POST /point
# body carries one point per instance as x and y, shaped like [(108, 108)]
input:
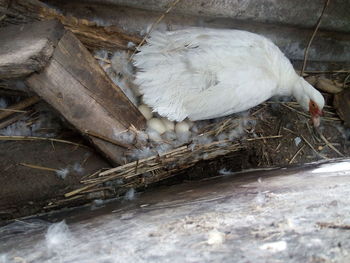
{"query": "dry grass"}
[(140, 173), (33, 138)]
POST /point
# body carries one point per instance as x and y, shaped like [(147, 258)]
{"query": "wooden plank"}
[(75, 85), (86, 70), (90, 34), (25, 49)]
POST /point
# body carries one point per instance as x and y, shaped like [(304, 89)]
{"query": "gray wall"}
[(293, 12), (289, 23)]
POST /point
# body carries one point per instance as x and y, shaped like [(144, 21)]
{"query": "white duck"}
[(204, 73)]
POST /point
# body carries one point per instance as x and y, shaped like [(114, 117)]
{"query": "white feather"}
[(207, 73)]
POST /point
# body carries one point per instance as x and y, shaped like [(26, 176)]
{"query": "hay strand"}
[(306, 53), (33, 138)]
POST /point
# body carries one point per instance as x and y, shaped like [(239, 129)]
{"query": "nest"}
[(265, 141)]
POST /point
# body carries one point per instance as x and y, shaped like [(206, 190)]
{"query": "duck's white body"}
[(207, 73)]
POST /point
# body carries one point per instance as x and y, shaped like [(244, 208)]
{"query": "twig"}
[(330, 145), (308, 116), (11, 120), (62, 202), (299, 112), (327, 71), (19, 106), (313, 36), (288, 130), (32, 138), (293, 103), (79, 190), (93, 174), (10, 92), (259, 110), (103, 59), (172, 5), (312, 148), (346, 80), (104, 138), (11, 110), (332, 225), (221, 128), (39, 167), (296, 154), (264, 137)]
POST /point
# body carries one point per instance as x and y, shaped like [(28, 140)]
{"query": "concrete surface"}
[(283, 215)]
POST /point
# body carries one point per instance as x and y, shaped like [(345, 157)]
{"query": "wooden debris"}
[(76, 86), (24, 50), (333, 225), (33, 138), (313, 148), (330, 145), (33, 166), (296, 154), (11, 120), (9, 92), (91, 35), (162, 166), (328, 85), (312, 80)]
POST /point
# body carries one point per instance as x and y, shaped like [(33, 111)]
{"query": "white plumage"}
[(204, 73)]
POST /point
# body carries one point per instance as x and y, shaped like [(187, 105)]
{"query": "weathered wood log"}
[(24, 50), (75, 85), (93, 36)]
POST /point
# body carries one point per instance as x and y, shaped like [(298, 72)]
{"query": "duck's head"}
[(310, 99)]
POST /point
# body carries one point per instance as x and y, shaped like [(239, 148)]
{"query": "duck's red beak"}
[(315, 112)]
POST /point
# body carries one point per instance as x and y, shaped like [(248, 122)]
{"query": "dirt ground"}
[(27, 190)]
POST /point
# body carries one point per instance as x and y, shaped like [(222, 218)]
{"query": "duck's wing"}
[(204, 74), (235, 92)]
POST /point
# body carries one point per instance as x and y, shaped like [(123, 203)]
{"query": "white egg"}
[(157, 125), (182, 127), (146, 111), (169, 125)]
